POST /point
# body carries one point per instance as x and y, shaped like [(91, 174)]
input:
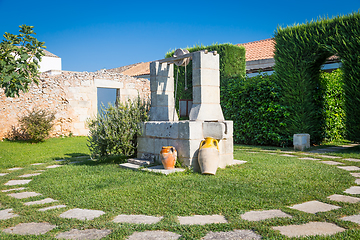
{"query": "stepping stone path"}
[(352, 159), (309, 158), (314, 207), (50, 208), (136, 219), (342, 198), (13, 189), (353, 190), (154, 235), (17, 182), (36, 164), (84, 234), (309, 229), (355, 175), (357, 181), (82, 214), (287, 155), (14, 169), (327, 156), (3, 174), (349, 168), (202, 219), (353, 218), (46, 200), (22, 195), (262, 215), (54, 166), (6, 214), (30, 228), (332, 163), (236, 234), (29, 175)]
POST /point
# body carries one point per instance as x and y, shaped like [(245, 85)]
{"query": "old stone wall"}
[(72, 95)]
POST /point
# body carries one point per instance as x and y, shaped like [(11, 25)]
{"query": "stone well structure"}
[(206, 118)]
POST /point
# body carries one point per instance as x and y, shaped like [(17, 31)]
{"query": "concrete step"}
[(140, 162)]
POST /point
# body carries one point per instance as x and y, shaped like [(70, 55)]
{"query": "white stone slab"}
[(129, 166), (252, 152), (160, 169), (136, 219), (352, 159), (343, 198), (54, 166), (332, 163), (353, 218), (236, 234), (30, 228), (327, 156), (154, 235), (287, 155), (3, 174), (349, 168), (17, 182), (15, 169), (46, 200), (36, 164), (238, 162), (314, 207), (29, 175), (82, 214), (357, 175), (353, 190), (272, 153), (50, 208), (13, 189), (309, 229), (202, 219), (22, 195), (262, 215), (287, 152), (60, 160), (84, 234), (309, 158), (7, 214)]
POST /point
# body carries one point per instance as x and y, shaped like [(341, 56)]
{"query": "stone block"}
[(164, 98), (225, 160), (190, 130), (187, 148), (309, 229), (106, 83), (205, 60), (163, 114), (226, 146), (301, 141), (229, 129), (206, 95), (146, 145), (214, 129), (206, 112), (162, 129), (206, 77), (162, 84), (161, 69)]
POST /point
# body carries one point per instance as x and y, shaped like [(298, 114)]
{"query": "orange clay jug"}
[(209, 156), (168, 157)]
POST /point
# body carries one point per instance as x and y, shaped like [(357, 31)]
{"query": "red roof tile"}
[(263, 49)]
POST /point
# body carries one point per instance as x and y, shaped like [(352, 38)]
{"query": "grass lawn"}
[(264, 182)]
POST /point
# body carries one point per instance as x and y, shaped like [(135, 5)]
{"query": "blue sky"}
[(92, 35)]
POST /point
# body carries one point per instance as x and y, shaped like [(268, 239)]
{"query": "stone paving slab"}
[(287, 155), (136, 219), (237, 162), (272, 153), (355, 175), (15, 169), (129, 166), (3, 174), (29, 175), (357, 181), (309, 229), (154, 235), (7, 214), (287, 152), (343, 198), (82, 214), (328, 156), (46, 200), (332, 163), (202, 219), (36, 164), (310, 158), (160, 169), (236, 234), (17, 182), (349, 168), (252, 152), (352, 159), (353, 218), (87, 234), (60, 160), (353, 190), (14, 189), (314, 207), (50, 208), (30, 228), (262, 215), (54, 166), (22, 195)]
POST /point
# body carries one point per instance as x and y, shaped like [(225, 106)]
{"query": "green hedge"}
[(253, 105), (299, 53), (232, 63)]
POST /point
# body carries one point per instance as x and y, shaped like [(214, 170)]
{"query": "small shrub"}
[(114, 131), (37, 123)]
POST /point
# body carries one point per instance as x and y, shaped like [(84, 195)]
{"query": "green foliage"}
[(333, 105), (299, 53), (253, 105), (37, 123), (114, 131), (19, 61), (232, 63)]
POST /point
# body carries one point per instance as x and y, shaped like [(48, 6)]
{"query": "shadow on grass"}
[(85, 159)]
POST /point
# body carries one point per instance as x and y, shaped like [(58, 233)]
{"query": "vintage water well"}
[(206, 118)]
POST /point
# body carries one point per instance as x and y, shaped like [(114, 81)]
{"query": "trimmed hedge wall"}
[(299, 53), (232, 63)]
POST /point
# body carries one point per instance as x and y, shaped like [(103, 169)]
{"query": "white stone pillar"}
[(206, 87), (162, 92)]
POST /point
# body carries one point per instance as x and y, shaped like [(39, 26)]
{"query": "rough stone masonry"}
[(72, 95)]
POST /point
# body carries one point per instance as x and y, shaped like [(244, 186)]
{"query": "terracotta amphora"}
[(168, 157), (209, 156)]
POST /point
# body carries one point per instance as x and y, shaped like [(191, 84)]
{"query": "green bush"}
[(114, 131), (333, 105), (253, 105), (37, 123)]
